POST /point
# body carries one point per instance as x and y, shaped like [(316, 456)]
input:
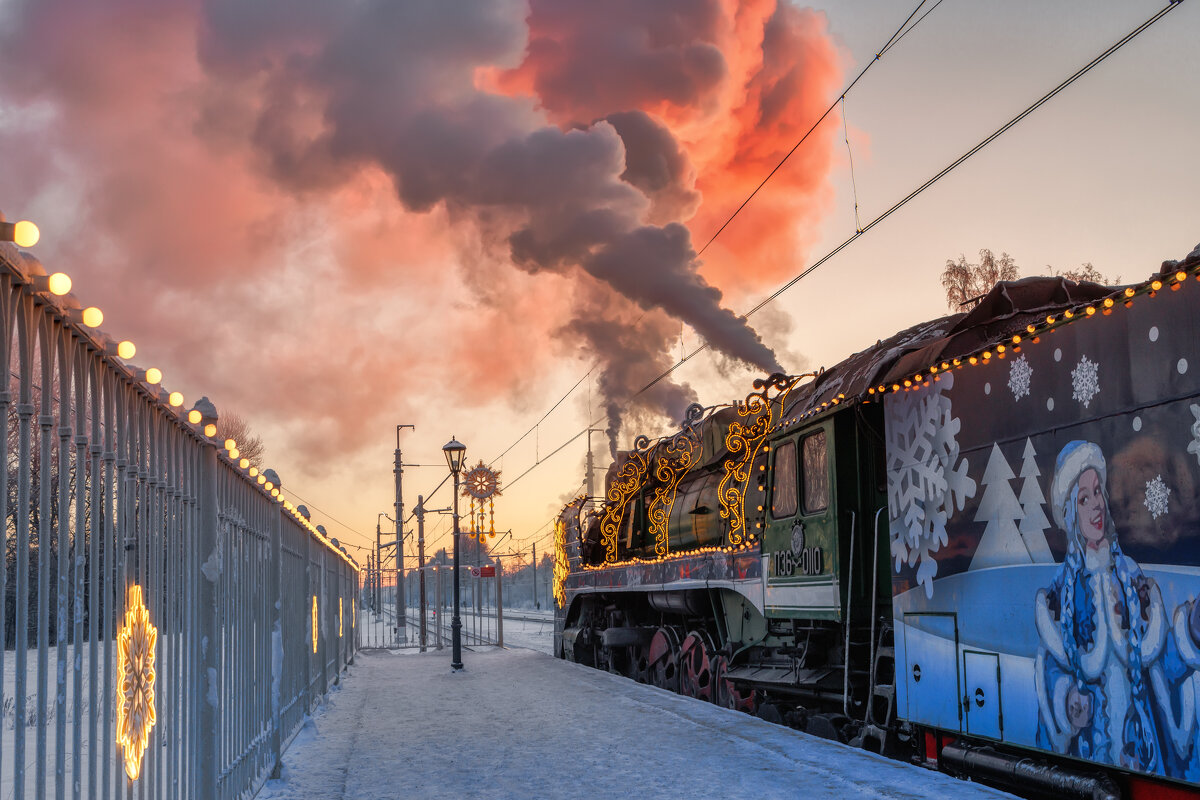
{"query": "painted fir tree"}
[(1034, 522), (1001, 543)]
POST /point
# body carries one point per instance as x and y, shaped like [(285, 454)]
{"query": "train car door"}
[(981, 694), (800, 537), (931, 670)]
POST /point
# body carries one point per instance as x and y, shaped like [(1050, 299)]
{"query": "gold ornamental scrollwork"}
[(628, 481), (757, 416), (135, 681), (676, 457)]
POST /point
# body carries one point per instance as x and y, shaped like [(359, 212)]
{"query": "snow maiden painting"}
[(1115, 672)]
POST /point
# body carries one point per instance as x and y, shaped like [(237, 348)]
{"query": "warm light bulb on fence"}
[(59, 283), (93, 317), (267, 484), (194, 416), (26, 234), (234, 454), (230, 444), (210, 430), (175, 399), (274, 493), (253, 470), (126, 349), (261, 480), (153, 376), (245, 462)]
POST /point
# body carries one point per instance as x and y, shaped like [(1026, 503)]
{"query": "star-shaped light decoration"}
[(135, 681)]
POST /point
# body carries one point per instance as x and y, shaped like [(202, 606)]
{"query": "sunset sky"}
[(333, 218)]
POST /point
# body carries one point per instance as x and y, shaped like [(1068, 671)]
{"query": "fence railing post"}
[(276, 610), (204, 683)]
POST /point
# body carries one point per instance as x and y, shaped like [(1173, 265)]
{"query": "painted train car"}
[(975, 544)]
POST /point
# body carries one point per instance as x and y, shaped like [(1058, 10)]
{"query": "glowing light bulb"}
[(268, 485), (59, 283), (230, 444), (175, 399), (1181, 276), (210, 430), (244, 463), (126, 350), (261, 480), (274, 493), (154, 376), (1090, 310), (93, 317), (253, 471), (1108, 302), (26, 234), (235, 454), (1129, 292), (1156, 285), (194, 417)]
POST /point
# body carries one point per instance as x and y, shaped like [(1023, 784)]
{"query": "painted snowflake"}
[(1085, 380), (1156, 497), (1019, 373), (1194, 445), (927, 480)]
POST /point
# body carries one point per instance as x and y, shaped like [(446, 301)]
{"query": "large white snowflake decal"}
[(927, 481), (1194, 446), (1085, 380), (1019, 373), (1156, 497)]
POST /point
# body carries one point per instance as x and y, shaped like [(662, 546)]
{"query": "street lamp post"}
[(456, 453)]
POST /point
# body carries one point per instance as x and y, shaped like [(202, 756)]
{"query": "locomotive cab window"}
[(783, 482), (816, 473)]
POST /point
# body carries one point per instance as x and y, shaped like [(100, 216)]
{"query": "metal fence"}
[(113, 496), (480, 609)]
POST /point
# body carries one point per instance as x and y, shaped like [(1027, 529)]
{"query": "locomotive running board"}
[(783, 676)]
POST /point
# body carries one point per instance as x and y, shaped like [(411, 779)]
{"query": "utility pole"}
[(591, 466), (378, 576), (535, 602), (401, 611), (421, 561)]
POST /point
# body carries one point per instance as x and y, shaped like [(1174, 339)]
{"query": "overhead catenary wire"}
[(996, 134), (1075, 76), (899, 34)]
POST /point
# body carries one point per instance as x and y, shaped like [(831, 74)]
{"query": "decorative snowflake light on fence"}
[(1085, 381), (1156, 497), (135, 681)]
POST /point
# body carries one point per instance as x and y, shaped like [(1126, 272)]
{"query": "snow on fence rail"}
[(113, 497)]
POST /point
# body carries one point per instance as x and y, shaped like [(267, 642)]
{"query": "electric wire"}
[(899, 34), (940, 174), (895, 37), (911, 195)]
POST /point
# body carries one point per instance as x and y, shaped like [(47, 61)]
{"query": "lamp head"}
[(456, 453)]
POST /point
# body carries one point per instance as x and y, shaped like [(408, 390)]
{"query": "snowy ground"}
[(518, 724)]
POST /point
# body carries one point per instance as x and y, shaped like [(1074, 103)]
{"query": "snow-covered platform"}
[(518, 723)]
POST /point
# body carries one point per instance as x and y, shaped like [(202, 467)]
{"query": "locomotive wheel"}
[(662, 659), (726, 694), (695, 666)]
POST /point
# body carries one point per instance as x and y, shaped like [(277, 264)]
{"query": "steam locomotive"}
[(975, 544)]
